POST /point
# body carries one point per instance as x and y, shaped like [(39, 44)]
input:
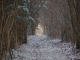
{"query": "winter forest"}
[(39, 29)]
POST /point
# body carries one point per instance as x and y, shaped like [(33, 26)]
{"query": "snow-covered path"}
[(42, 48)]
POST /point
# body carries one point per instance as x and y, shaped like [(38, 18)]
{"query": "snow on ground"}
[(42, 48)]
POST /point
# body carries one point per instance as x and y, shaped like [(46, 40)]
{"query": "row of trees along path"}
[(59, 20)]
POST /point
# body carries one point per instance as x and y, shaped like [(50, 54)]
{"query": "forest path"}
[(43, 48)]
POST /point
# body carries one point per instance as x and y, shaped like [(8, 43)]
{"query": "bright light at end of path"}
[(39, 30)]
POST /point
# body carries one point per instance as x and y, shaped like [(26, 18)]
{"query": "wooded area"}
[(60, 19)]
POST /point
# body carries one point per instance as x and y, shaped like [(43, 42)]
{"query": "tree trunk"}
[(75, 16), (78, 24)]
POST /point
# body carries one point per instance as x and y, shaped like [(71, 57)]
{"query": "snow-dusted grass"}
[(42, 48)]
